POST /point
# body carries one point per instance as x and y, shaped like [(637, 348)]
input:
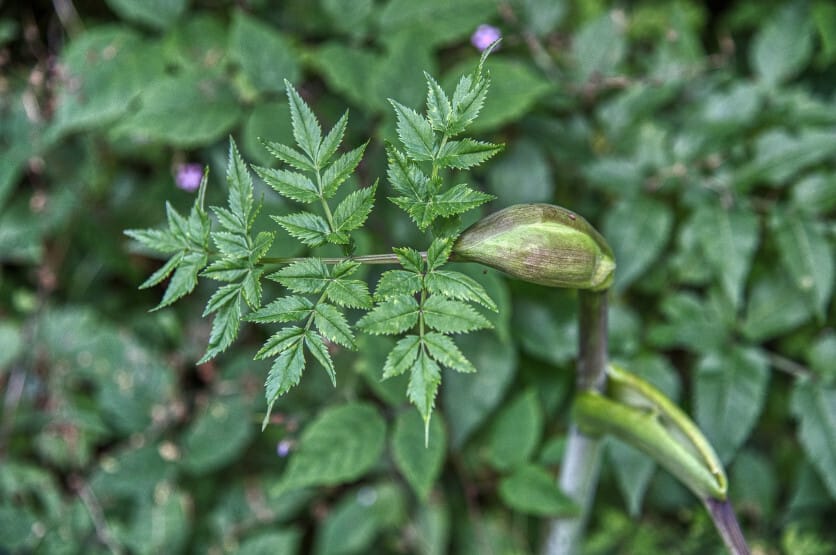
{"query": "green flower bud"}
[(540, 243)]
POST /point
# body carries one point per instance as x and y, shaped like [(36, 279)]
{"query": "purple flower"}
[(188, 176), (484, 36), (283, 448)]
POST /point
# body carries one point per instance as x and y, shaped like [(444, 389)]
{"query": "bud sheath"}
[(540, 243)]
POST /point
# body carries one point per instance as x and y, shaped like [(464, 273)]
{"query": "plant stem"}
[(582, 460), (362, 259), (726, 523)]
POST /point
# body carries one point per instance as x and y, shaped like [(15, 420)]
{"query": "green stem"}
[(362, 259), (582, 460)]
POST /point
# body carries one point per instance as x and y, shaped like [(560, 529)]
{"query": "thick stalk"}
[(582, 459), (727, 526)]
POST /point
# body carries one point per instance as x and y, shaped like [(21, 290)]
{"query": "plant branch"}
[(582, 460), (362, 259)]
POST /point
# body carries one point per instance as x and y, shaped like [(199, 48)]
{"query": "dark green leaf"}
[(415, 132), (397, 282), (420, 465), (402, 356), (815, 408), (332, 140), (290, 184), (516, 431), (807, 256), (439, 252), (405, 177), (410, 259), (424, 378), (783, 46), (532, 490), (240, 186), (158, 14), (217, 436), (265, 56), (285, 373), (449, 316), (341, 445), (391, 317), (466, 153), (184, 279), (340, 170), (332, 324), (320, 352), (310, 275), (352, 212), (309, 228), (231, 244), (457, 200), (280, 341), (290, 156), (306, 129), (730, 387), (598, 47), (456, 285), (225, 327), (444, 350), (284, 309), (439, 109), (352, 293)]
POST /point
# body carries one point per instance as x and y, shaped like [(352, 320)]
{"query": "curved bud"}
[(540, 243)]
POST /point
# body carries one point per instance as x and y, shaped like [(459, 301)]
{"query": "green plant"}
[(542, 244)]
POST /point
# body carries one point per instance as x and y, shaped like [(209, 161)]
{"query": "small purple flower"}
[(484, 36), (188, 176), (283, 448)]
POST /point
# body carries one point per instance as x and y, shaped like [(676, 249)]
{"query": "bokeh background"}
[(699, 137)]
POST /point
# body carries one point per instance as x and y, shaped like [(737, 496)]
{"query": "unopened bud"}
[(540, 243)]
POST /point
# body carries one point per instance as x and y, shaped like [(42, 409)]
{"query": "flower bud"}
[(540, 243)]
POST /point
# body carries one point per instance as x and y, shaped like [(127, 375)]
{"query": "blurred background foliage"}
[(701, 138)]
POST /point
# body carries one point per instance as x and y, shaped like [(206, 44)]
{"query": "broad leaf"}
[(420, 465), (516, 432), (815, 408), (532, 490), (341, 445)]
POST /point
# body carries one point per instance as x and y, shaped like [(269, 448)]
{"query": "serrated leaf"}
[(468, 100), (233, 245), (227, 219), (815, 408), (225, 327), (397, 282), (352, 293), (332, 140), (458, 286), (320, 352), (415, 132), (444, 350), (439, 108), (309, 275), (340, 170), (284, 309), (280, 341), (405, 177), (807, 256), (532, 490), (424, 378), (391, 317), (306, 129), (289, 155), (730, 387), (420, 465), (240, 186), (184, 279), (439, 252), (410, 259), (251, 287), (352, 212), (458, 199), (292, 185), (160, 240), (449, 316), (465, 154), (421, 211), (341, 445), (261, 246), (309, 228), (224, 295), (402, 356), (285, 373), (332, 324), (163, 271), (227, 269)]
